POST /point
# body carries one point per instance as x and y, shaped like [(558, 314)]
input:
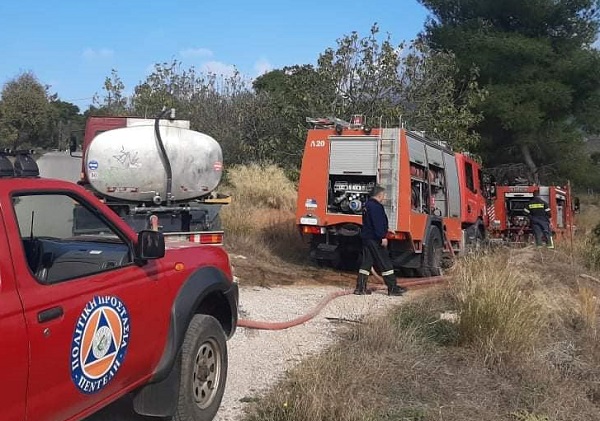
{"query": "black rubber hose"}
[(164, 158)]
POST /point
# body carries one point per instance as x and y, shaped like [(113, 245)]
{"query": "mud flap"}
[(326, 252), (160, 399)]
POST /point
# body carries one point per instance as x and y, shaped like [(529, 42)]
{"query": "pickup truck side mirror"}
[(576, 205), (73, 147), (150, 245), (73, 144)]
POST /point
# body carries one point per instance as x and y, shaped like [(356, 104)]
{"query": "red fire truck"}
[(510, 224), (435, 200)]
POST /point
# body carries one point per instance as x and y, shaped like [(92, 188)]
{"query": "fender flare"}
[(159, 397)]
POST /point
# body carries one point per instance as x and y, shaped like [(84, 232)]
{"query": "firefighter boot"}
[(361, 285), (393, 288)]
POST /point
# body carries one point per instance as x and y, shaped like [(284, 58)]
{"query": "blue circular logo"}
[(93, 165), (99, 343)]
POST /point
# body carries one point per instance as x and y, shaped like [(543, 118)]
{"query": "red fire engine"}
[(509, 223), (435, 203)]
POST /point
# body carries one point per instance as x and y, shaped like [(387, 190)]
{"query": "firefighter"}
[(374, 243), (539, 219)]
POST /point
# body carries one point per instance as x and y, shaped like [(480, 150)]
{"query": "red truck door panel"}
[(473, 199), (90, 312), (13, 352)]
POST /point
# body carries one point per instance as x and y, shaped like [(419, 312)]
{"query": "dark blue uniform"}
[(374, 229), (539, 220), (374, 221)]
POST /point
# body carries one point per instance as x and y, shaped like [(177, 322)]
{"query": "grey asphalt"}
[(59, 165)]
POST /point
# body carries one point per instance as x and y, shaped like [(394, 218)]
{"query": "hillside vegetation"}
[(513, 336)]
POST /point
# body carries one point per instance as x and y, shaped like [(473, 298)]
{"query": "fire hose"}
[(410, 283)]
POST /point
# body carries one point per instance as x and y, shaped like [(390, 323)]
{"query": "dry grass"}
[(262, 187), (261, 210), (260, 225), (588, 309), (524, 348), (497, 314)]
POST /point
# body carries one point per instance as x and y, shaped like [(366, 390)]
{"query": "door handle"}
[(50, 314)]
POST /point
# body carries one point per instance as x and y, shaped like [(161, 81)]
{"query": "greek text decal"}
[(99, 343)]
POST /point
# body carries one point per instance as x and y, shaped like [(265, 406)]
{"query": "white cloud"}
[(102, 53), (196, 53), (596, 45), (262, 66), (218, 68)]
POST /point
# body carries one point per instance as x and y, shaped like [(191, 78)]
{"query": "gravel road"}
[(258, 358)]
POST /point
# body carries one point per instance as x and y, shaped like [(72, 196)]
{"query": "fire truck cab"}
[(435, 202)]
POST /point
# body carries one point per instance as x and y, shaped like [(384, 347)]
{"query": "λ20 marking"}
[(99, 343), (317, 143)]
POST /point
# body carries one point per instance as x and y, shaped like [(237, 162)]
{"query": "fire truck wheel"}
[(478, 242), (407, 272), (203, 370), (432, 255)]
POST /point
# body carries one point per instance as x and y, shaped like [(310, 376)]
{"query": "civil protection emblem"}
[(99, 344)]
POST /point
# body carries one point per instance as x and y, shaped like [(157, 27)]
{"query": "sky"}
[(72, 45)]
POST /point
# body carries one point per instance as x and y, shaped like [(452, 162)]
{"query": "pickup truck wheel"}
[(203, 370)]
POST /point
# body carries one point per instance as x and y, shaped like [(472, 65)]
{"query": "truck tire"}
[(432, 255), (478, 242), (203, 370)]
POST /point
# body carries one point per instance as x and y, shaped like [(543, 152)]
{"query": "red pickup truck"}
[(87, 319)]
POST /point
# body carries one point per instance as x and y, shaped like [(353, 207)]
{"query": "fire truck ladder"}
[(389, 147)]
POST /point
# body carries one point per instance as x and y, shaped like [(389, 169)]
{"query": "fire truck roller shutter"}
[(545, 194), (416, 151), (344, 151), (452, 185), (435, 158)]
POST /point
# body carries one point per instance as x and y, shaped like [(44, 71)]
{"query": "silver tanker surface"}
[(125, 164)]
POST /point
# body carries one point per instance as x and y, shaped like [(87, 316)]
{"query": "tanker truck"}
[(153, 173)]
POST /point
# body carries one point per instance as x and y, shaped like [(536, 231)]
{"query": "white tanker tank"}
[(128, 164)]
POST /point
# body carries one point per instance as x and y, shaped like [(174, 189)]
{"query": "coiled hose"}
[(411, 283)]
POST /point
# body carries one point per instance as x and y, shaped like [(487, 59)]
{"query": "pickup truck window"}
[(55, 251)]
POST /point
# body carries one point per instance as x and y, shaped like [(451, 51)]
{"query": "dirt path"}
[(257, 359)]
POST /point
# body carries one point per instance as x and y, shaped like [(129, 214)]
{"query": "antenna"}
[(31, 226)]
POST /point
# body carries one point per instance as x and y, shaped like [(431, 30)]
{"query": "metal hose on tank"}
[(163, 157)]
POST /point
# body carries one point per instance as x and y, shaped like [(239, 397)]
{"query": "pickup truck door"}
[(13, 352), (91, 312)]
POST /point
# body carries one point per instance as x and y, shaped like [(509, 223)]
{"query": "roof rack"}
[(22, 166)]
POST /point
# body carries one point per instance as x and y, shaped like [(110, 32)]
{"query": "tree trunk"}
[(526, 152)]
